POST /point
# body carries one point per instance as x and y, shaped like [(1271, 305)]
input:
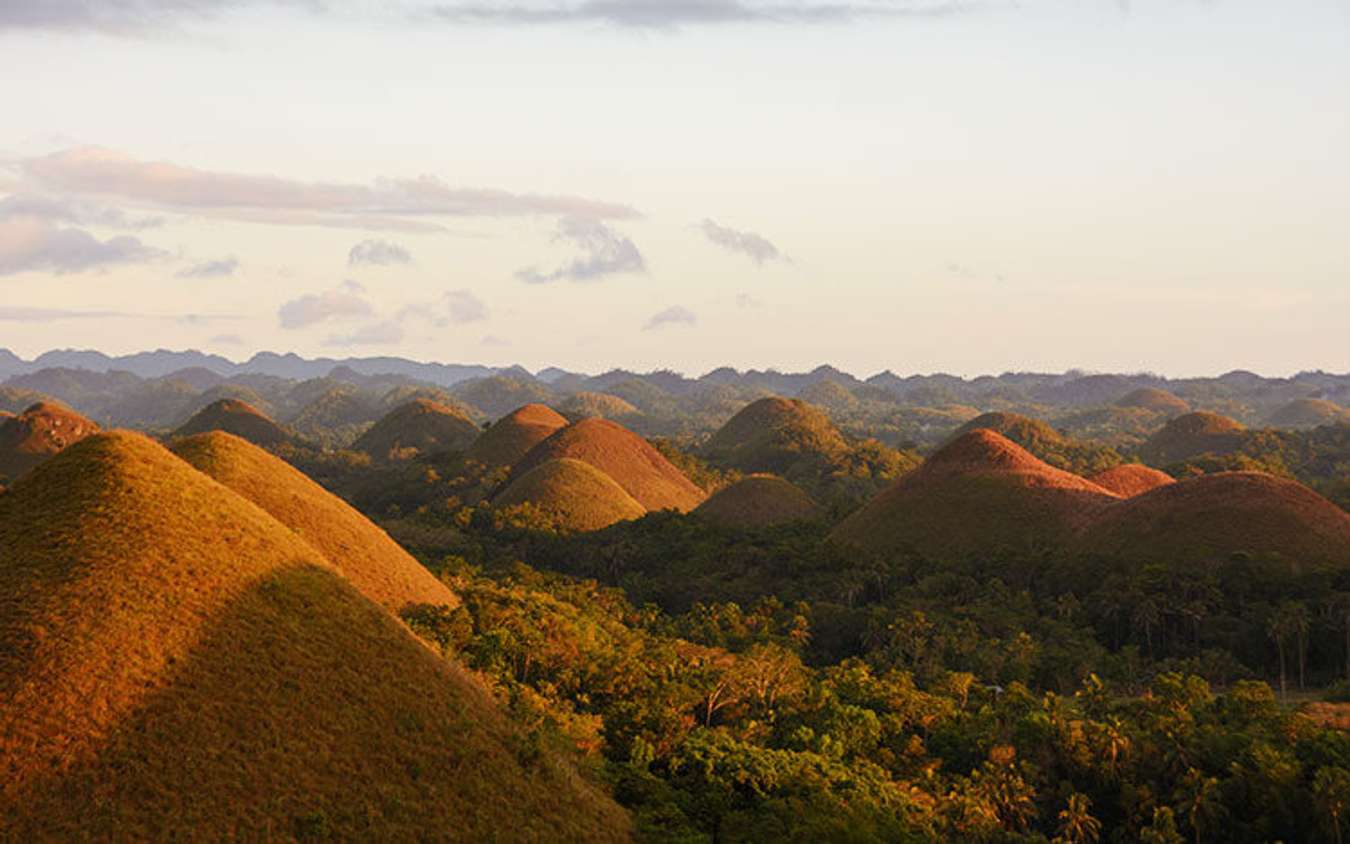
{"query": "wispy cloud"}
[(121, 16), (757, 247), (65, 209), (226, 340), (604, 252), (31, 244), (675, 14), (380, 253), (220, 268), (344, 301), (10, 314), (676, 315), (465, 307), (494, 341), (384, 333)]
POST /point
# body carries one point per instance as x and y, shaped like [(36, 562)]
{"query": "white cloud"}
[(219, 268), (345, 301), (465, 307), (604, 252), (756, 247), (380, 253), (32, 244), (676, 315)]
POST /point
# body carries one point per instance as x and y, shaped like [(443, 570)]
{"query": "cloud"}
[(119, 16), (757, 247), (70, 210), (227, 340), (31, 244), (380, 253), (465, 307), (605, 252), (9, 314), (676, 315), (345, 300), (674, 14), (495, 341), (376, 334), (211, 269)]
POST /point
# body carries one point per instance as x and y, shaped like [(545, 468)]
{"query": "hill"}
[(36, 434), (1152, 398), (1308, 413), (499, 394), (239, 418), (584, 405), (1191, 435), (1044, 442), (774, 433), (178, 664), (628, 459), (1130, 479), (1215, 516), (758, 501), (979, 494), (420, 427), (373, 562), (571, 495), (510, 438)]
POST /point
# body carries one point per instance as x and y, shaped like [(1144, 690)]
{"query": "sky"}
[(915, 185)]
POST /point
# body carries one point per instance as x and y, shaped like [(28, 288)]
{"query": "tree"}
[(1163, 829), (1200, 801), (1289, 623), (1331, 790), (1076, 823)]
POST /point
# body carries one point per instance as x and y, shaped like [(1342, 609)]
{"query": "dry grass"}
[(622, 455), (758, 501), (36, 434), (176, 663), (771, 434), (1130, 479), (585, 405), (1152, 398), (573, 495), (421, 426), (364, 553), (1308, 413), (236, 417), (511, 437), (1191, 435)]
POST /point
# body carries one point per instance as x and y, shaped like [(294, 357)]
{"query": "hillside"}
[(1154, 399), (36, 434), (1191, 435), (772, 435), (239, 418), (622, 455), (224, 681), (1214, 516), (420, 427), (1130, 479), (571, 496), (587, 404), (979, 494), (1044, 442), (1308, 413), (758, 501), (510, 438), (373, 562)]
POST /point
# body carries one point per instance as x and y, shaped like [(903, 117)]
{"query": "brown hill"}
[(510, 438), (758, 501), (1214, 516), (1308, 413), (239, 418), (1152, 398), (36, 434), (772, 434), (1130, 479), (373, 562), (572, 495), (978, 494), (1191, 435), (421, 427), (178, 664), (585, 405), (630, 460)]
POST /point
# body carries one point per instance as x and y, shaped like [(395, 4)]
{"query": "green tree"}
[(1076, 823), (1331, 790)]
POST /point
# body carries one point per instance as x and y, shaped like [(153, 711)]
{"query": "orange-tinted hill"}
[(1152, 398), (177, 664), (236, 417), (605, 405), (1215, 516), (420, 427), (1308, 413), (36, 434), (1023, 430), (572, 495), (628, 459), (1130, 479), (510, 438), (772, 434), (978, 494), (1191, 435), (758, 501), (373, 562)]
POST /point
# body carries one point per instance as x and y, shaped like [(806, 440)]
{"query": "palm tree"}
[(1076, 824), (1331, 788), (1200, 801), (1290, 621)]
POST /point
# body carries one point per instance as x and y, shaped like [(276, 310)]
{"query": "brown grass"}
[(236, 417), (176, 663), (585, 405), (1130, 479), (627, 458), (421, 426), (1152, 398), (36, 434), (758, 501), (1191, 435), (373, 562), (1308, 413), (771, 434), (573, 495), (511, 437)]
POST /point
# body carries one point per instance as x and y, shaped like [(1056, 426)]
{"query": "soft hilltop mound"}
[(758, 501), (1191, 435), (239, 418), (420, 427), (36, 434), (1023, 430), (585, 405), (176, 663), (978, 494), (1308, 413), (1215, 516), (773, 434), (572, 495), (630, 460), (510, 438), (373, 562), (1152, 398), (1130, 479)]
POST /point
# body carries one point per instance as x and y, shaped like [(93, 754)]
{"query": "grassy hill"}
[(571, 495), (36, 434), (1191, 435), (758, 501), (239, 418), (605, 405), (419, 427), (1308, 413), (1154, 399), (1130, 479), (1045, 442), (773, 435), (510, 438)]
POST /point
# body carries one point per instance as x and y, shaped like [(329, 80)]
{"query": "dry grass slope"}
[(1191, 435), (239, 418), (36, 434), (510, 438), (627, 458), (585, 405), (575, 496), (421, 426), (373, 562), (1308, 413), (177, 664), (1130, 479), (1152, 398), (758, 501), (771, 434)]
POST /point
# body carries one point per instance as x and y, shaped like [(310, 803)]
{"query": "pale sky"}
[(921, 186)]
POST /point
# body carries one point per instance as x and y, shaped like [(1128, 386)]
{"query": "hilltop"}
[(36, 434), (773, 435), (419, 427), (510, 438), (571, 495), (1308, 413), (1191, 435), (605, 405), (223, 680), (239, 418), (758, 501), (1130, 479), (1043, 441), (1154, 399)]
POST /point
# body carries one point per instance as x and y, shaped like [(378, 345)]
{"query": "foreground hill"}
[(239, 418), (979, 494), (36, 434), (571, 496), (758, 501), (773, 435), (1308, 413), (1044, 442), (420, 427), (510, 438), (1215, 516), (1191, 435), (364, 553), (625, 457), (225, 681), (1130, 479)]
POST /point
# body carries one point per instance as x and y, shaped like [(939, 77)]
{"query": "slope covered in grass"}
[(36, 434), (773, 434), (419, 427), (1130, 479), (176, 663), (1044, 442), (510, 438), (1156, 400), (1191, 435), (1308, 413), (571, 495), (605, 405), (758, 501), (236, 417)]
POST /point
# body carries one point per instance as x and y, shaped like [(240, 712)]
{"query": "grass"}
[(571, 495), (510, 438), (1190, 435), (758, 501), (1152, 398), (771, 434), (1130, 479), (236, 417), (586, 404), (37, 433), (420, 426), (1308, 413)]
